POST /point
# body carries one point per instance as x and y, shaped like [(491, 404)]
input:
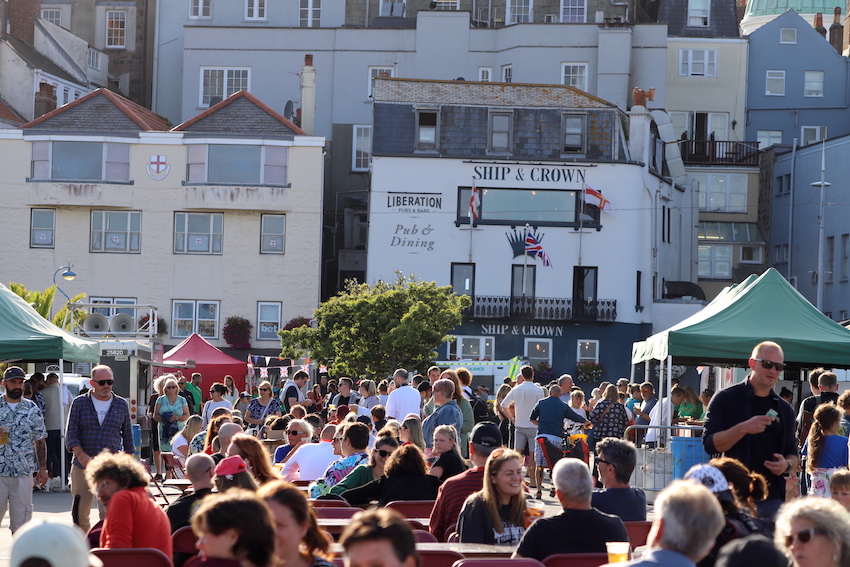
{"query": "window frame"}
[(192, 165), (829, 268), (375, 73), (107, 150), (491, 149), (256, 10), (814, 80), (580, 358), (715, 274), (575, 65), (687, 62), (696, 13), (485, 74), (186, 235), (845, 257), (785, 41), (581, 148), (573, 18), (93, 59), (313, 11), (113, 302), (197, 9), (260, 305), (452, 275), (51, 230), (769, 134), (227, 83), (507, 73), (109, 40), (103, 231), (513, 8), (778, 74), (705, 191), (47, 14), (195, 319), (361, 162), (418, 144), (263, 234), (534, 360), (483, 342), (591, 213), (754, 247), (820, 134)]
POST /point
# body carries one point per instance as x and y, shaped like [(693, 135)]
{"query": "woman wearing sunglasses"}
[(217, 392), (814, 532), (366, 473), (298, 432), (262, 407), (170, 411)]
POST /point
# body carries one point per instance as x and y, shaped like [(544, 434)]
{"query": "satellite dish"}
[(95, 323), (122, 323), (288, 109), (214, 100)]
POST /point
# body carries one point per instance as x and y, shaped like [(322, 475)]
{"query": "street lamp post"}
[(68, 275), (823, 185)]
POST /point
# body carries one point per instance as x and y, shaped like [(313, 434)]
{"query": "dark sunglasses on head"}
[(803, 536), (384, 453), (104, 382), (768, 364)]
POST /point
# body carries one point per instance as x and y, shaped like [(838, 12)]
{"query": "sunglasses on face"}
[(339, 439), (384, 453), (104, 382), (264, 389), (803, 536), (768, 364), (293, 432), (171, 387)]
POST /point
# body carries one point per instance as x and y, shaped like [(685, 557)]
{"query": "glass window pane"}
[(528, 205), (234, 164), (77, 161)]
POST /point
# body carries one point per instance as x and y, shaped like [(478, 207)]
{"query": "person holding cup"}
[(496, 514)]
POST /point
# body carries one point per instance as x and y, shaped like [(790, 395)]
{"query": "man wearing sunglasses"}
[(97, 420), (751, 423)]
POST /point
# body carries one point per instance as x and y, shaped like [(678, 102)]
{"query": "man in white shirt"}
[(660, 415), (518, 404), (310, 460), (404, 399)]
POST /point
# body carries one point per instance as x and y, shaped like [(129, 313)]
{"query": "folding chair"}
[(412, 508), (424, 536), (316, 503), (576, 560), (138, 557), (638, 532), (157, 484), (338, 512), (551, 454), (173, 466), (439, 558), (497, 562), (183, 541)]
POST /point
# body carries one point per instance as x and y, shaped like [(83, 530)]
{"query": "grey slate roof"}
[(722, 20), (36, 60), (100, 111), (241, 114)]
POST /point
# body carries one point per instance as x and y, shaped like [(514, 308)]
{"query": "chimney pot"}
[(819, 24), (308, 60), (45, 99), (836, 32)]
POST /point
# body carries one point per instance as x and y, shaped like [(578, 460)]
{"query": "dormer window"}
[(427, 128)]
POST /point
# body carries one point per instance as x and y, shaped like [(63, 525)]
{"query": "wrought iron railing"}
[(543, 308), (719, 152)]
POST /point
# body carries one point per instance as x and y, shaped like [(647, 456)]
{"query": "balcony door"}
[(584, 290), (523, 282)]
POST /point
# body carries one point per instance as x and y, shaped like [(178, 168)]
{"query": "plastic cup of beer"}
[(618, 551), (4, 435), (533, 510)]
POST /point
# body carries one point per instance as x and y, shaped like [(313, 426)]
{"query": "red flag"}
[(474, 203)]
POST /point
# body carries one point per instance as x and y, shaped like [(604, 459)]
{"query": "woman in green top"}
[(691, 407), (363, 474)]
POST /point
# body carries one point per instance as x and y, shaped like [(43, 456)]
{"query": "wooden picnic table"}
[(335, 526), (465, 549)]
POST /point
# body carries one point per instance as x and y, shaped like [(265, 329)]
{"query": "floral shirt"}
[(26, 426), (196, 445), (335, 472), (612, 424), (256, 410)]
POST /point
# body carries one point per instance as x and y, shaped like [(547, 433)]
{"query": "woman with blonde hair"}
[(411, 432), (609, 417), (827, 450), (171, 412), (368, 394), (299, 542), (180, 443), (263, 406), (251, 450), (495, 514), (445, 449)]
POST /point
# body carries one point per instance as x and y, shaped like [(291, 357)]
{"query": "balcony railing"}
[(719, 152), (543, 308)]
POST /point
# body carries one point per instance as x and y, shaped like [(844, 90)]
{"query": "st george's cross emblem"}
[(158, 168)]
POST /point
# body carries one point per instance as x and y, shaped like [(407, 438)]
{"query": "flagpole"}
[(525, 260), (582, 202), (471, 219)]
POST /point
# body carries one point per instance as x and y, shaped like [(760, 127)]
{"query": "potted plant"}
[(589, 372), (296, 322), (161, 325), (544, 373), (237, 332)]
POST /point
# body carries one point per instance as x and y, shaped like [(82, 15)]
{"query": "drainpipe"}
[(791, 206), (155, 57)]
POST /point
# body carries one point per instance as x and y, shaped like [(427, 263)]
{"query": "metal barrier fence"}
[(671, 458)]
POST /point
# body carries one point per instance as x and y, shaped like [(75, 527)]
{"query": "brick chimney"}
[(45, 100), (308, 95), (21, 16), (836, 32), (819, 25)]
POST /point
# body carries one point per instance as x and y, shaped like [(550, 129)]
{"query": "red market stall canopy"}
[(209, 361)]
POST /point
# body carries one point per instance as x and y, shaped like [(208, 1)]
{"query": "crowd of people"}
[(432, 437)]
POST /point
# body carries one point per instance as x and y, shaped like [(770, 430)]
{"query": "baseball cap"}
[(486, 434), (230, 466), (245, 395), (60, 543), (14, 372), (712, 479)]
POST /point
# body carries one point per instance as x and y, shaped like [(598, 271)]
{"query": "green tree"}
[(374, 329), (42, 302)]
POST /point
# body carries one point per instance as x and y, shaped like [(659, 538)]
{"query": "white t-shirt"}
[(524, 397), (404, 400), (211, 406), (102, 408), (179, 441), (659, 415), (309, 461)]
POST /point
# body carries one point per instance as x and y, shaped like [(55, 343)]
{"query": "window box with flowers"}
[(237, 332), (590, 372)]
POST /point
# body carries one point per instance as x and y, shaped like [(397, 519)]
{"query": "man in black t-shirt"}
[(751, 423), (580, 528)]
